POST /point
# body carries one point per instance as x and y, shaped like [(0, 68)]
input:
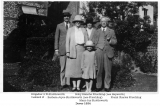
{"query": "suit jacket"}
[(108, 46), (70, 41), (60, 38), (92, 34)]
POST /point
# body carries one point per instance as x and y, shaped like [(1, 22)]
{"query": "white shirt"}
[(79, 37), (104, 28), (89, 31), (67, 24)]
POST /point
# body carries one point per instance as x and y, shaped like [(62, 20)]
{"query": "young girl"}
[(88, 65)]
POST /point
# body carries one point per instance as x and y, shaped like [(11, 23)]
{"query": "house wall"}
[(150, 12), (12, 10)]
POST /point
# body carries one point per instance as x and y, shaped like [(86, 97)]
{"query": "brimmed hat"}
[(89, 44), (66, 13), (78, 18), (89, 20), (106, 19)]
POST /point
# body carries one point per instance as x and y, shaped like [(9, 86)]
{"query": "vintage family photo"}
[(80, 46)]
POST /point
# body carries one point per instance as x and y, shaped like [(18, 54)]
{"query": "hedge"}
[(39, 47)]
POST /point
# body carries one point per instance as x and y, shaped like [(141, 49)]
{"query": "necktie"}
[(66, 26), (103, 29)]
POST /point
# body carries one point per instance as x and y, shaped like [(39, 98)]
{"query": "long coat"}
[(60, 38), (70, 41), (73, 64)]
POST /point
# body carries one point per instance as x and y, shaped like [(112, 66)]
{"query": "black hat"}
[(66, 13), (89, 20)]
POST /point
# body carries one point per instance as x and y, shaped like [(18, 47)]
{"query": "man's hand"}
[(54, 57), (108, 38), (56, 52)]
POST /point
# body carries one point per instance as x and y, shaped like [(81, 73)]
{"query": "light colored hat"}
[(78, 18), (89, 43), (105, 18)]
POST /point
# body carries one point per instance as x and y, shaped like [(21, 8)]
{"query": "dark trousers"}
[(104, 64)]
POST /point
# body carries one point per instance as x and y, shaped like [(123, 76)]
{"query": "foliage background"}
[(134, 34)]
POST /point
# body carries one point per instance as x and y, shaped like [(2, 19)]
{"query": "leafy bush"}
[(130, 39), (133, 33), (123, 78), (121, 73), (146, 62)]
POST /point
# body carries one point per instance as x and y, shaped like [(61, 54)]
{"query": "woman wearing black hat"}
[(90, 30)]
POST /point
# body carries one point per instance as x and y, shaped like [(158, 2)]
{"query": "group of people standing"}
[(85, 53)]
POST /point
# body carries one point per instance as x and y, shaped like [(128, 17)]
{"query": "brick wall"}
[(11, 13)]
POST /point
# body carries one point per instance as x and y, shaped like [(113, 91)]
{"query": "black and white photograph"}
[(80, 47)]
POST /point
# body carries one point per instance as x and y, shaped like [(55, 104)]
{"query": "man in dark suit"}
[(104, 40), (60, 46)]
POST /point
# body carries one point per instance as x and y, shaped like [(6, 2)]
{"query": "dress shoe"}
[(74, 89), (107, 89), (62, 87), (68, 86), (78, 90), (84, 87), (97, 89)]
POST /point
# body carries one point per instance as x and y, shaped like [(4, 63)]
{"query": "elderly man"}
[(60, 46), (104, 40)]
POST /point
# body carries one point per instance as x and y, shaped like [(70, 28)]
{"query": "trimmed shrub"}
[(27, 26), (39, 47)]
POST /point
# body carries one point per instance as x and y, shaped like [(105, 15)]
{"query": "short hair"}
[(106, 19)]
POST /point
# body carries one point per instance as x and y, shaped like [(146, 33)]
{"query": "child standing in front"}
[(89, 65)]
